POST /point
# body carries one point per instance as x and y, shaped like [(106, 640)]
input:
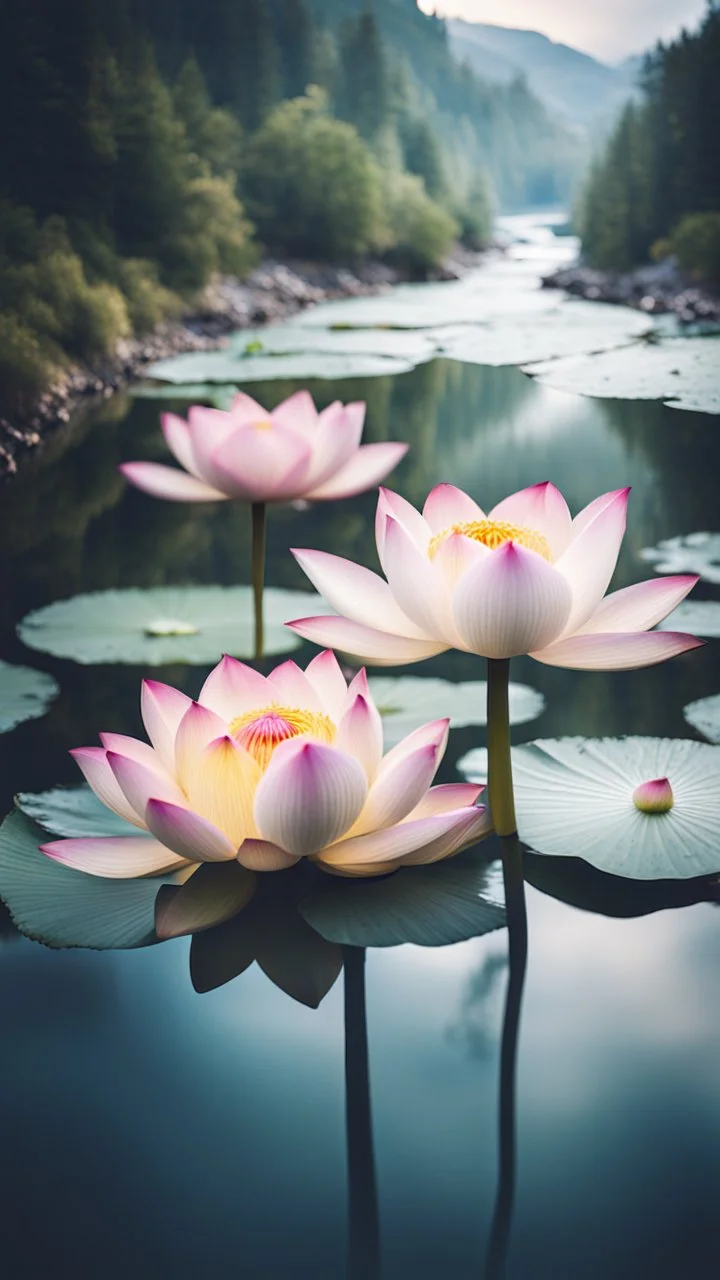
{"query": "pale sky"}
[(609, 29)]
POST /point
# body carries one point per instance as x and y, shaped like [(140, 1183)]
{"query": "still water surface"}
[(149, 1131)]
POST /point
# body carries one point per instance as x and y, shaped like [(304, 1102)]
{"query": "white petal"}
[(512, 602), (197, 729), (139, 783), (391, 504), (309, 796), (187, 834), (329, 683), (221, 788), (421, 590), (360, 733), (289, 686), (625, 651), (162, 710), (354, 592), (589, 562), (94, 764), (232, 688), (116, 857), (445, 506), (639, 607), (540, 507), (380, 648)]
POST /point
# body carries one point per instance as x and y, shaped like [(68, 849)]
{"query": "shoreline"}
[(656, 289), (273, 292)]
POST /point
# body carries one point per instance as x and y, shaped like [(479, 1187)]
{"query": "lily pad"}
[(704, 715), (218, 396), (65, 908), (429, 906), (231, 366), (682, 372), (693, 553), (699, 617), (578, 884), (72, 812), (164, 625), (574, 798), (574, 328), (24, 694), (406, 702)]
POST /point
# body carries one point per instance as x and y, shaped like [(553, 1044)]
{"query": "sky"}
[(608, 29)]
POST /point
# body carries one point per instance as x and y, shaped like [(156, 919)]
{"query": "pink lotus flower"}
[(526, 578), (258, 457), (269, 770)]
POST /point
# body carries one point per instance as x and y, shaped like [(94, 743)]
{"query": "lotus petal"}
[(114, 857), (511, 603), (379, 648), (366, 468), (309, 795), (187, 834), (169, 483), (623, 652)]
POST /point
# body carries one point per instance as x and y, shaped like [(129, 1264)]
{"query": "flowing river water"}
[(152, 1131)]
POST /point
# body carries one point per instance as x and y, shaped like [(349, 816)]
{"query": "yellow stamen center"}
[(260, 732), (492, 534), (263, 424)]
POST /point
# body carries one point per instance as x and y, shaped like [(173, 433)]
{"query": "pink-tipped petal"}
[(639, 607), (476, 825), (401, 840), (297, 413), (208, 430), (259, 464), (370, 464), (540, 507), (589, 562), (232, 688), (336, 439), (309, 796), (329, 683), (114, 857), (420, 589), (446, 505), (392, 504), (356, 593), (455, 555), (290, 687), (169, 483), (244, 409), (134, 749), (622, 651), (162, 710), (197, 729), (511, 602), (445, 798), (177, 439), (398, 788), (380, 648), (261, 855), (187, 834), (221, 788), (360, 733), (94, 764), (139, 783)]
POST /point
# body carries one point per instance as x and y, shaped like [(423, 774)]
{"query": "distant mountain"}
[(574, 86)]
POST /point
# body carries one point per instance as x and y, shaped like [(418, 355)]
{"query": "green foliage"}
[(695, 242), (421, 232), (475, 216), (303, 163), (660, 164), (26, 367)]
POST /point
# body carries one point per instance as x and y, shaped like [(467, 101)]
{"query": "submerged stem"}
[(364, 1225), (500, 783), (517, 949), (259, 511)]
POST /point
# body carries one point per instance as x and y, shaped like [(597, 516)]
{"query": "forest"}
[(655, 190), (148, 144)]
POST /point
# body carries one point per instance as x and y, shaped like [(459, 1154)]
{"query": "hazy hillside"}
[(571, 84)]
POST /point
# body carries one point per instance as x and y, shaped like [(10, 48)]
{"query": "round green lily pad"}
[(24, 694), (406, 702), (73, 812), (163, 625)]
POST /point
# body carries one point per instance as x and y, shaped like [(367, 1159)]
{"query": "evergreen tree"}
[(364, 95)]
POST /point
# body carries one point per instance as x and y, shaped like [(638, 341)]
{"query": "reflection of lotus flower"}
[(524, 579), (257, 456), (270, 770)]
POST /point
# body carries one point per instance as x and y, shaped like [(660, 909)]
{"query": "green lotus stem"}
[(500, 784), (363, 1216), (517, 954), (259, 525)]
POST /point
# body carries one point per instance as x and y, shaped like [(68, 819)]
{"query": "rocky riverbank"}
[(274, 291), (658, 289)]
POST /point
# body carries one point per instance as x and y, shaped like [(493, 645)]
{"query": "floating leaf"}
[(406, 702), (230, 366), (163, 625), (574, 798), (578, 884), (73, 812), (430, 906), (682, 372), (65, 908), (218, 396), (24, 694), (693, 553), (704, 715), (572, 328), (699, 617)]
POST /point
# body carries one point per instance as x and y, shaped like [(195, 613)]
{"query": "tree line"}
[(148, 144), (655, 189)]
